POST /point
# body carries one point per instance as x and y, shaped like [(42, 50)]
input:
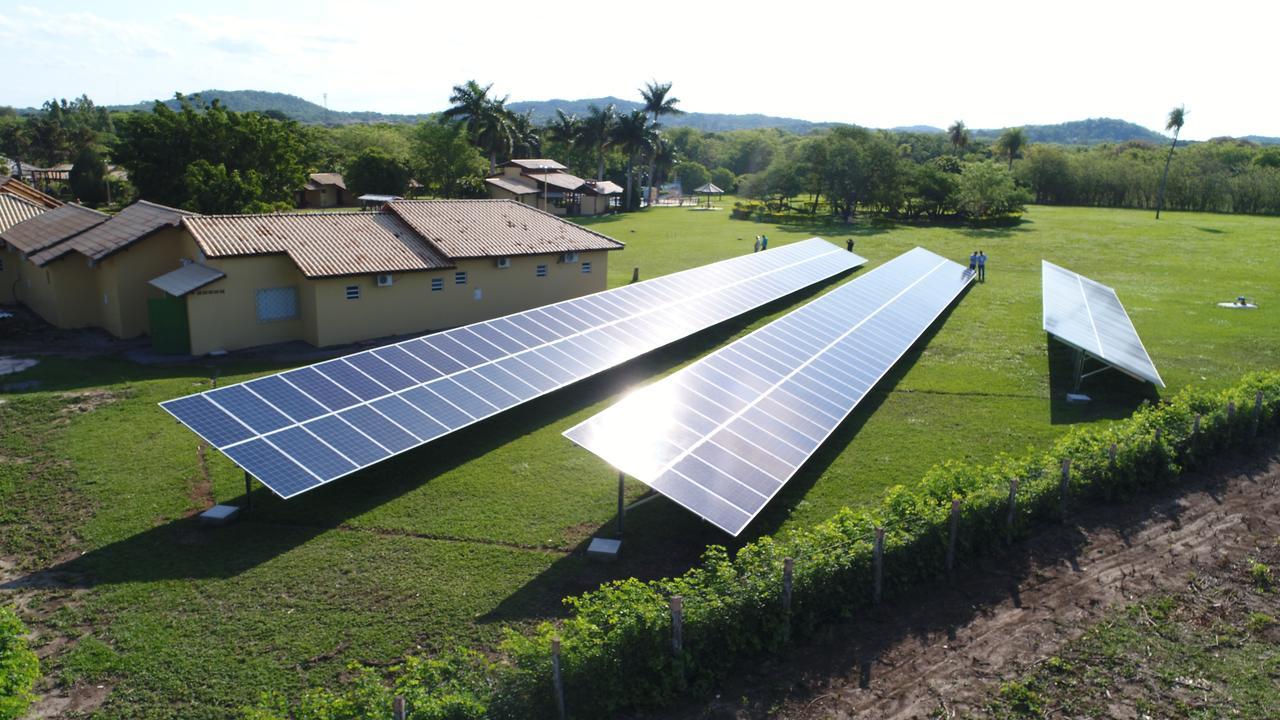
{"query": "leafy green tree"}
[(987, 190), (89, 177), (1177, 117), (724, 179), (1010, 143), (692, 176), (213, 189), (959, 135), (19, 667), (657, 102), (446, 162), (257, 155), (634, 136), (598, 129), (374, 171), (1047, 171), (487, 119), (933, 190)]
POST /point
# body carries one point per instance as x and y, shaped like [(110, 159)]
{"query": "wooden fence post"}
[(1013, 505), (1257, 412), (1064, 487), (398, 709), (877, 559), (556, 678), (951, 541), (677, 623)]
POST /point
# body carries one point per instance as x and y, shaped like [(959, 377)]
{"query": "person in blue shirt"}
[(982, 267), (764, 242), (973, 262)]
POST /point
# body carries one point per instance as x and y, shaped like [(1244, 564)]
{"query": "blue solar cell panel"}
[(380, 370), (261, 460), (432, 356), (440, 410), (409, 418), (249, 408), (347, 440), (760, 407), (402, 395), (349, 378), (287, 398), (211, 423), (407, 363), (375, 425), (312, 454)]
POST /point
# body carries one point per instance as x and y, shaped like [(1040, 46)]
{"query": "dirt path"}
[(941, 652)]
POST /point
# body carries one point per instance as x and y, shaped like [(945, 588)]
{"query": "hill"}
[(1093, 131), (544, 110), (304, 111)]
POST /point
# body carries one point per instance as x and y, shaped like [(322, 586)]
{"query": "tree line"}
[(204, 157)]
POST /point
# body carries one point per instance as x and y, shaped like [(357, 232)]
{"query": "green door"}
[(170, 334)]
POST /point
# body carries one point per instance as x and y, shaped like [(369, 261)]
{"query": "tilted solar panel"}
[(306, 427), (1088, 315), (722, 436)]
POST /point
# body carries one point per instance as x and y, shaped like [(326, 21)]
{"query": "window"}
[(586, 268), (541, 271), (569, 257), (353, 292), (437, 284), (277, 304), (460, 277)]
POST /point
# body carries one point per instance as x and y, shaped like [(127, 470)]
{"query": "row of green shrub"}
[(616, 644), (19, 668)]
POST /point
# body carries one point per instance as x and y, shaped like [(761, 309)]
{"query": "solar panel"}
[(1088, 316), (722, 436), (300, 429)]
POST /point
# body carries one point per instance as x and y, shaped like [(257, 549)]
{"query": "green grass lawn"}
[(447, 543)]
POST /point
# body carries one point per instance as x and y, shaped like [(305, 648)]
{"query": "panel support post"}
[(556, 680), (1064, 488), (677, 623), (248, 496), (622, 499), (1077, 374), (877, 561), (951, 540), (398, 709)]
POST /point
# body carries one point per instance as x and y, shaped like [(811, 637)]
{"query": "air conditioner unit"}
[(503, 263), (385, 280), (569, 257)]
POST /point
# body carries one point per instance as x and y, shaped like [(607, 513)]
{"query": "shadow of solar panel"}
[(364, 407), (722, 436)]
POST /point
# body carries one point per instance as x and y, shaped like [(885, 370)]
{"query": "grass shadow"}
[(1114, 395)]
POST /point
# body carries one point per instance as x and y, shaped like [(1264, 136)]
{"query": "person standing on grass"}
[(764, 242), (848, 245), (982, 267), (973, 262), (757, 247)]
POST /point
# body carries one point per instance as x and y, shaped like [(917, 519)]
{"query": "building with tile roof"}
[(325, 190), (13, 186), (547, 185)]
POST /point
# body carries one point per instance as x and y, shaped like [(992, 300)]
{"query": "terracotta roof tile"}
[(136, 222), (14, 186), (496, 228), (320, 244), (52, 227)]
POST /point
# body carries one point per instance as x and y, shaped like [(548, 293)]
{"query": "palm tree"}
[(1176, 117), (1011, 143), (635, 136), (487, 120), (959, 135), (657, 104), (525, 140), (597, 132), (565, 128)]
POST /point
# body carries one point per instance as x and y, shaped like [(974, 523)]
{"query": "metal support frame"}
[(248, 491), (622, 500)]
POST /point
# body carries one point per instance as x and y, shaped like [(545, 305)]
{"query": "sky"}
[(885, 64)]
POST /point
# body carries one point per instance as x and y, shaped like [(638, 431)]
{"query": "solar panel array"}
[(1088, 315), (306, 427), (722, 436)]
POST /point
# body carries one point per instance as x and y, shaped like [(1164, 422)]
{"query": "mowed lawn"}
[(449, 543)]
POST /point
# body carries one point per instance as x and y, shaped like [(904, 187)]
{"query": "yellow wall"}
[(8, 273), (410, 306), (223, 315), (123, 281), (64, 293)]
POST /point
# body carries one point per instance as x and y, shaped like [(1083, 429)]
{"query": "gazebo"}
[(708, 190)]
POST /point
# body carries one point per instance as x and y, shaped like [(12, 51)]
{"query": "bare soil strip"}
[(942, 651)]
